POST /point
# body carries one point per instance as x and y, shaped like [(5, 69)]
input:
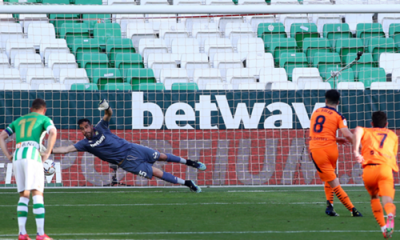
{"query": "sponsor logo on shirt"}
[(98, 142)]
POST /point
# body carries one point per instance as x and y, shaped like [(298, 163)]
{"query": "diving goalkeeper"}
[(131, 157)]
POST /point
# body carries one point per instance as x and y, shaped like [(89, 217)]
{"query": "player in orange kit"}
[(324, 153), (379, 151)]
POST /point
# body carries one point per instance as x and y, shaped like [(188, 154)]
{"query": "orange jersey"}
[(379, 146), (324, 123)]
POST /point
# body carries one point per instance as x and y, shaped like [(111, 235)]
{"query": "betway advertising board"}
[(244, 137)]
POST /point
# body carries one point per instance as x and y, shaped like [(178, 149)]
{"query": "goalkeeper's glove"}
[(103, 105)]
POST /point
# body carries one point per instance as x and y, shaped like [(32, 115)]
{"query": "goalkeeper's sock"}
[(343, 197), (328, 192), (390, 208), (378, 211), (38, 210), (22, 211), (173, 158), (168, 177)]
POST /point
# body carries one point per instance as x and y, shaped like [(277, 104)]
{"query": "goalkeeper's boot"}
[(196, 164), (24, 237), (329, 210), (389, 227), (355, 213), (43, 237), (192, 186)]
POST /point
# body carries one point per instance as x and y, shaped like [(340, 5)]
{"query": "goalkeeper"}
[(131, 157)]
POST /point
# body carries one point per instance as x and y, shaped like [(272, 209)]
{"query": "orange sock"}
[(378, 211), (328, 192), (342, 195), (390, 208)]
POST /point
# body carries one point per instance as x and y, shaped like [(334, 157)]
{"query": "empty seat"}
[(10, 31), (296, 2), (273, 75), (385, 86), (323, 61), (55, 1), (189, 19), (50, 46), (137, 30), (157, 62), (190, 86), (117, 87), (389, 61), (113, 2), (58, 61), (26, 61), (83, 87), (281, 86), (334, 31), (19, 46), (255, 62), (88, 2), (306, 75), (386, 19), (204, 31), (9, 75), (289, 61), (301, 31), (256, 20), (350, 86), (91, 61), (366, 31), (269, 32), (125, 19), (396, 75), (104, 31), (345, 46), (366, 60), (185, 46), (155, 20), (217, 45), (128, 60), (71, 76), (224, 20), (39, 31), (251, 86), (35, 77), (354, 19), (114, 46), (218, 86), (148, 46), (321, 19), (15, 86), (138, 76), (239, 75), (4, 63), (92, 19), (149, 87), (170, 76), (394, 32), (288, 20), (219, 2), (225, 61), (369, 75), (53, 86), (59, 19), (246, 46), (313, 45), (246, 2), (102, 76), (158, 2), (315, 86), (283, 45), (26, 19), (235, 31), (190, 62), (186, 2), (83, 46), (346, 75), (379, 45), (70, 31), (169, 32), (206, 76)]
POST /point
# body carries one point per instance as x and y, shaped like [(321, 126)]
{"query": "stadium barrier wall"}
[(245, 137)]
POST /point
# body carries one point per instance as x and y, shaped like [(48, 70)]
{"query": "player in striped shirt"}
[(28, 163)]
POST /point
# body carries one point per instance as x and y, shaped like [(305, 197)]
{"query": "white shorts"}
[(29, 174)]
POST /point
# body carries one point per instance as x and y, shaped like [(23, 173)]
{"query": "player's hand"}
[(10, 158), (359, 158), (103, 105), (45, 155), (343, 141)]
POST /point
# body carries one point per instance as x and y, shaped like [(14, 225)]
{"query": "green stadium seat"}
[(323, 61), (88, 2), (102, 76), (84, 87), (91, 61), (377, 46), (93, 19), (301, 31), (70, 31), (59, 19), (128, 60), (104, 31), (54, 2), (369, 75), (81, 46), (282, 45), (117, 87), (184, 87), (136, 76), (313, 45), (148, 87), (366, 60), (115, 46), (345, 46), (366, 31), (394, 32), (289, 61), (269, 31), (345, 76), (334, 31)]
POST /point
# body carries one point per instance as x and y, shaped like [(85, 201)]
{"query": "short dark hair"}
[(332, 97), (80, 121), (38, 103), (379, 119)]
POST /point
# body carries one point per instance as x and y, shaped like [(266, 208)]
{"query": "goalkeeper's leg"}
[(168, 177), (172, 158)]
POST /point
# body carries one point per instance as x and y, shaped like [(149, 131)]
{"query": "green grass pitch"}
[(176, 213)]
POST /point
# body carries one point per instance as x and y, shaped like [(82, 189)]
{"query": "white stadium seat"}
[(219, 2), (321, 19), (19, 46), (9, 75), (157, 62), (206, 76), (386, 19), (314, 86), (289, 19), (252, 2), (169, 32), (189, 19), (237, 76), (389, 61), (155, 20), (35, 77), (58, 61), (26, 61), (139, 30), (7, 17), (225, 61), (273, 75), (52, 86), (114, 2), (354, 19), (190, 62), (185, 46), (71, 76), (222, 21), (148, 46), (246, 46), (10, 31), (15, 86), (350, 86), (26, 19), (327, 2), (235, 31), (217, 45), (204, 31), (304, 75), (158, 2), (187, 2), (39, 31), (4, 63), (385, 86), (281, 86), (170, 76), (218, 86), (255, 20), (285, 2), (396, 75), (257, 61), (124, 19), (49, 46), (251, 86)]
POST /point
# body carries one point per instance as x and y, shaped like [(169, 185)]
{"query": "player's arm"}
[(347, 134), (358, 133), (50, 143), (63, 150), (103, 105), (3, 136)]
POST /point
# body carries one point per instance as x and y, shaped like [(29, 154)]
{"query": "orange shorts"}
[(378, 179), (325, 160)]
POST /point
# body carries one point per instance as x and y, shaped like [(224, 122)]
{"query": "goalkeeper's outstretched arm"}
[(103, 105), (64, 150)]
